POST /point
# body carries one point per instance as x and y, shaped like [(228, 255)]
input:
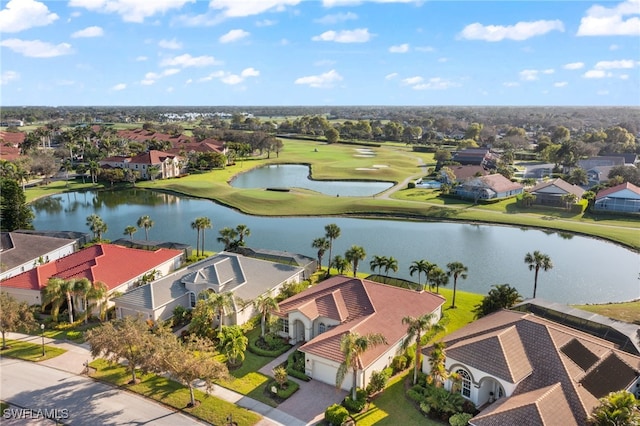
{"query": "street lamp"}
[(42, 328)]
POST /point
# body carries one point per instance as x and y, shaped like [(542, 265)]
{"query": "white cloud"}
[(266, 23), (511, 84), (170, 71), (624, 76), (151, 77), (425, 49), (402, 48), (443, 59), (560, 84), (529, 75), (8, 76), (118, 87), (324, 63), (596, 74), (19, 15), (360, 35), (335, 3), (172, 44), (573, 66), (187, 60), (621, 64), (130, 10), (141, 58), (548, 71), (621, 19), (391, 76), (326, 80), (410, 81), (215, 74), (436, 83), (520, 31), (230, 78), (170, 89), (337, 18), (37, 48), (88, 32), (237, 9), (614, 47), (233, 35), (250, 72)]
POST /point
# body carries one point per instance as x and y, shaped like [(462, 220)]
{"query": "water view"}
[(297, 176), (585, 270)]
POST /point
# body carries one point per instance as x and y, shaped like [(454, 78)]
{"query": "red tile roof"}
[(627, 185), (114, 265), (12, 138), (361, 306), (151, 157)]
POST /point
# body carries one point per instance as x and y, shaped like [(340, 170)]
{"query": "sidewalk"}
[(77, 355)]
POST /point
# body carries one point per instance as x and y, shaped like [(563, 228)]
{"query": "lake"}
[(586, 270), (297, 176)]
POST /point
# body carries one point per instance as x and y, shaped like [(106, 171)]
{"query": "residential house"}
[(167, 165), (120, 268), (550, 193), (462, 173), (22, 251), (598, 175), (521, 369), (476, 156), (623, 198), (10, 145), (245, 277), (589, 163), (490, 187), (630, 158), (320, 316)]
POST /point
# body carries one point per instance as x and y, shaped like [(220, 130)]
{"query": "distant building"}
[(550, 193), (490, 187), (623, 198)]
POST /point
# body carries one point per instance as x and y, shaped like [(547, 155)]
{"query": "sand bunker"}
[(365, 168), (380, 166)]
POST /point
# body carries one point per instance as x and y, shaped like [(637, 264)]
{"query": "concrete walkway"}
[(77, 355)]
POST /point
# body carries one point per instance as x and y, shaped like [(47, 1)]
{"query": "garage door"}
[(327, 374)]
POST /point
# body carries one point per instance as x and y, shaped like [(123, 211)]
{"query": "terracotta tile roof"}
[(141, 135), (562, 186), (114, 265), (627, 185), (151, 157), (361, 306), (207, 145), (12, 138), (499, 183), (463, 173)]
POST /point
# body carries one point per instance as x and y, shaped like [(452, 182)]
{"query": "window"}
[(465, 382), (192, 299), (321, 328), (284, 324)]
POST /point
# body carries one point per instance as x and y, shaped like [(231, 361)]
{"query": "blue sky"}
[(322, 52)]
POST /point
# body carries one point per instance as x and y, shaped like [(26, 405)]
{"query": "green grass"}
[(30, 351), (627, 312), (3, 406), (58, 187), (211, 409)]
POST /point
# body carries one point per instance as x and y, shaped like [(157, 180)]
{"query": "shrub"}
[(280, 375), (460, 419), (388, 371), (336, 415), (409, 355), (295, 366), (256, 342), (377, 382), (357, 405), (399, 363), (286, 390)]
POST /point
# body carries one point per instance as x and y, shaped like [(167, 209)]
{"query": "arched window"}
[(322, 328), (465, 383)]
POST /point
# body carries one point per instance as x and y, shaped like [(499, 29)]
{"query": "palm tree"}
[(227, 237), (352, 346), (456, 269), (265, 304), (332, 232), (205, 223), (196, 225), (438, 278), (354, 255), (377, 263), (390, 263), (52, 294), (100, 293), (81, 288), (68, 289), (130, 230), (437, 363), (243, 231), (419, 327), (97, 226), (322, 244), (340, 263), (146, 223), (616, 409), (94, 167), (421, 267), (219, 302), (536, 261)]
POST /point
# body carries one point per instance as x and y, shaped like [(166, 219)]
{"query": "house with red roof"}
[(490, 187), (167, 165), (623, 198), (522, 369), (120, 268), (319, 316)]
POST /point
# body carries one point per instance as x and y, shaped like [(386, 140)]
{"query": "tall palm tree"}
[(94, 168), (377, 263), (354, 255), (81, 288), (196, 225), (243, 231), (437, 363), (421, 267), (203, 223), (340, 263), (390, 263), (146, 223), (536, 261), (227, 237), (352, 346), (130, 230), (438, 278), (100, 293), (53, 294), (68, 289), (97, 226), (456, 269), (219, 302), (322, 244), (265, 304), (424, 325), (332, 232)]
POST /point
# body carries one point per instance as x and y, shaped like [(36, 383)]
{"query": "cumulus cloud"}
[(233, 35), (141, 58), (436, 83), (119, 86), (131, 10), (511, 84), (88, 32), (326, 80), (412, 80), (337, 18), (425, 49), (560, 84), (37, 48), (620, 20), (335, 3), (402, 48), (172, 44), (520, 31), (621, 64), (186, 61), (360, 35), (391, 76), (531, 75), (19, 15), (596, 74), (151, 77), (265, 23), (8, 76), (238, 9), (231, 78), (573, 66)]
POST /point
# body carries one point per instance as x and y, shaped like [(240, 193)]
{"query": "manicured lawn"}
[(58, 187), (30, 351), (211, 409), (628, 312)]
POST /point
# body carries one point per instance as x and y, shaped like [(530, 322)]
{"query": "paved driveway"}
[(311, 400)]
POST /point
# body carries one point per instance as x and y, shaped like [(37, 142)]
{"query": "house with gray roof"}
[(245, 277), (551, 193)]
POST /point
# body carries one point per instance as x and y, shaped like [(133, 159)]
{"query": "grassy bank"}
[(627, 312), (30, 351)]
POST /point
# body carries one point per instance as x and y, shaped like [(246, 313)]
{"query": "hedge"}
[(265, 352)]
